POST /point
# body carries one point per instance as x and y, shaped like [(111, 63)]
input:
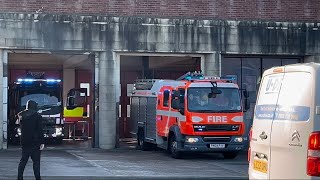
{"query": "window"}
[(166, 98), (181, 98)]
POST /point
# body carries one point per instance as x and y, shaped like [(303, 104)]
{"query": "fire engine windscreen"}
[(48, 102), (201, 99)]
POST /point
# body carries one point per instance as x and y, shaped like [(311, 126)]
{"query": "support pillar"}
[(211, 64), (3, 99), (109, 81)]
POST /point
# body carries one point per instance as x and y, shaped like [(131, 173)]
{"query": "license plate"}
[(261, 166), (217, 145)]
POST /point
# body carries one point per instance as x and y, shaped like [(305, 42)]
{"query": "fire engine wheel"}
[(175, 153), (230, 155)]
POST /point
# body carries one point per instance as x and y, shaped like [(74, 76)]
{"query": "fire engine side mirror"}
[(246, 93), (175, 104), (246, 104), (175, 94)]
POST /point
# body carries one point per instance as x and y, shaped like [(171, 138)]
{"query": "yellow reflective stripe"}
[(76, 112)]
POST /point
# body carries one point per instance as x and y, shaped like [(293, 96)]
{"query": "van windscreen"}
[(285, 96)]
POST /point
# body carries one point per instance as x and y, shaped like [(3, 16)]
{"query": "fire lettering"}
[(222, 119)]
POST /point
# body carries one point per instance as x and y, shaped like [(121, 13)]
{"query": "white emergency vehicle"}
[(285, 135)]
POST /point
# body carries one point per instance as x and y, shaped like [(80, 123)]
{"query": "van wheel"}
[(142, 145), (230, 155), (173, 147)]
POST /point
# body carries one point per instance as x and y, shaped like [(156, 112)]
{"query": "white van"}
[(285, 135)]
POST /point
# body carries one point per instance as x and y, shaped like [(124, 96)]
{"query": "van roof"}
[(299, 67)]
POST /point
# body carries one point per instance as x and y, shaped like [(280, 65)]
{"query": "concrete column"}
[(96, 99), (109, 78), (3, 98), (315, 58), (68, 82), (211, 64)]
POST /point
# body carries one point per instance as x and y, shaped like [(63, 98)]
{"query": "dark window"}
[(166, 98), (181, 98)]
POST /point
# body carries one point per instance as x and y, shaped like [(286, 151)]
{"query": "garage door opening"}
[(147, 67), (47, 79)]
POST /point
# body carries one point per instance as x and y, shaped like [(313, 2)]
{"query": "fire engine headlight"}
[(192, 139), (59, 131), (238, 139), (19, 131)]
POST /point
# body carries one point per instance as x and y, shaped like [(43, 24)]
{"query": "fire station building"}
[(104, 45)]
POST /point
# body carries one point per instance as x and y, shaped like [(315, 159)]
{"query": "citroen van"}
[(285, 135)]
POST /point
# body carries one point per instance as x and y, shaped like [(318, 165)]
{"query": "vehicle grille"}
[(217, 127), (217, 139)]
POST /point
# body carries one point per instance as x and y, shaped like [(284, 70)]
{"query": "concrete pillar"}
[(211, 64), (109, 80), (96, 100), (3, 98), (315, 59), (68, 82)]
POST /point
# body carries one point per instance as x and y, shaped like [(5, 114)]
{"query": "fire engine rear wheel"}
[(142, 145), (175, 153), (230, 155)]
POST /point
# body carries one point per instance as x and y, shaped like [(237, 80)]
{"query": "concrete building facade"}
[(215, 31)]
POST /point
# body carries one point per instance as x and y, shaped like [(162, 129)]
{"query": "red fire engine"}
[(191, 114)]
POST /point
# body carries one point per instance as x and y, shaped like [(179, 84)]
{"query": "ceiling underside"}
[(48, 61)]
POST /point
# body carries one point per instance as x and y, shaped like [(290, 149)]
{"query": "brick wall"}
[(291, 10)]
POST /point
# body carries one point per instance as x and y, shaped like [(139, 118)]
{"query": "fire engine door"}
[(163, 110)]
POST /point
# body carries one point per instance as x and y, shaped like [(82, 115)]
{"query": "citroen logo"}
[(295, 135)]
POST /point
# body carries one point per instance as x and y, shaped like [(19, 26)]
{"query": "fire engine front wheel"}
[(173, 147)]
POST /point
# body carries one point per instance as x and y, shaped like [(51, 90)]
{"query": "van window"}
[(285, 97), (166, 98), (295, 97)]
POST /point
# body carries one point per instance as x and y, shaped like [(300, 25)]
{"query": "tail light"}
[(249, 150), (313, 159)]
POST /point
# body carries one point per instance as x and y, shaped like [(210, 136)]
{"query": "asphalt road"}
[(124, 163)]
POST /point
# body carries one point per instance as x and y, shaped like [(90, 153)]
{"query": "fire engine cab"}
[(47, 93), (191, 114)]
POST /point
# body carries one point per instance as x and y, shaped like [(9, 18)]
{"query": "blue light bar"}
[(46, 80), (26, 80), (191, 77), (53, 80)]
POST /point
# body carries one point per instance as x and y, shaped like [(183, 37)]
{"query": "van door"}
[(261, 128), (291, 127)]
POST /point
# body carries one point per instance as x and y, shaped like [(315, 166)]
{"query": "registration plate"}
[(217, 145), (261, 166)]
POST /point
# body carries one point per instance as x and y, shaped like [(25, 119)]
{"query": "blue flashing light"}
[(34, 80), (53, 80), (191, 77), (228, 78), (26, 80)]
